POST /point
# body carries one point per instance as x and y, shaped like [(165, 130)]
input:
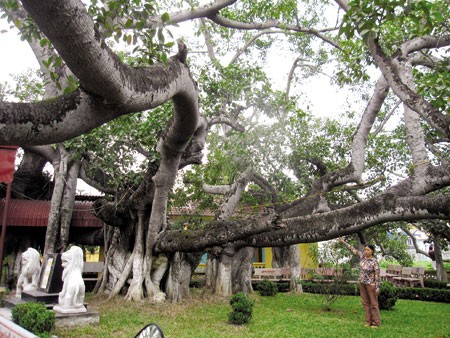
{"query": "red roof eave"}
[(35, 213)]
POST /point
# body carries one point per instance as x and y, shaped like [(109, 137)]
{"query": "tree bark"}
[(441, 274), (180, 272), (241, 272)]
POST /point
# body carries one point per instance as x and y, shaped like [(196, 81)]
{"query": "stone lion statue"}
[(29, 275), (71, 298)]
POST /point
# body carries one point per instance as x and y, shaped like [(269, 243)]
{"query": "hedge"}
[(424, 294)]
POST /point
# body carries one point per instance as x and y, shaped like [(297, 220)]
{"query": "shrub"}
[(242, 308), (267, 288), (388, 296), (424, 294), (434, 284), (34, 317), (343, 289)]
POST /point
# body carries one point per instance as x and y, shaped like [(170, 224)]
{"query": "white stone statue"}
[(29, 275), (71, 298)]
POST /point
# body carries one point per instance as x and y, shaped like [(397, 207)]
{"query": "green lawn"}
[(285, 315)]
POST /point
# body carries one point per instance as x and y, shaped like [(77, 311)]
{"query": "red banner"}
[(7, 160)]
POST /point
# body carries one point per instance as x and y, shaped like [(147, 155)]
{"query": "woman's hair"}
[(371, 247)]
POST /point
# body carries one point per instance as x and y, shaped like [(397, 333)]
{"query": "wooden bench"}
[(393, 271), (272, 274), (327, 275), (92, 271), (410, 277)]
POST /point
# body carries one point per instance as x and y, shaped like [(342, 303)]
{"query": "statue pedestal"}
[(49, 299), (60, 309), (40, 297), (77, 319)]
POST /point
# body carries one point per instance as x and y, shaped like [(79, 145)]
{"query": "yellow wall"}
[(306, 260)]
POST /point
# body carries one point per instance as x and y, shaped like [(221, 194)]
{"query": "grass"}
[(285, 315)]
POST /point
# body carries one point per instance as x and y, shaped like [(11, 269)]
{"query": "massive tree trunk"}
[(222, 284), (62, 202), (242, 270), (67, 203), (295, 268), (135, 291), (29, 180), (182, 265), (222, 263), (441, 273), (280, 256), (211, 272)]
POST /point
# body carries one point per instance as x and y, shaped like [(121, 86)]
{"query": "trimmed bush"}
[(267, 288), (434, 284), (388, 296), (429, 295), (344, 289), (425, 294), (34, 317), (242, 308)]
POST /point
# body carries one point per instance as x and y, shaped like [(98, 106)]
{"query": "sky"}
[(15, 56)]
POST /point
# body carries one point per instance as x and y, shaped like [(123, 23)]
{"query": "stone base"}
[(40, 297), (77, 319), (11, 302), (60, 309)]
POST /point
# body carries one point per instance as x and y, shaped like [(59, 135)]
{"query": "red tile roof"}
[(35, 213)]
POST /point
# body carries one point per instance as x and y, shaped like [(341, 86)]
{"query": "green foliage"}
[(388, 296), (34, 317), (377, 17), (425, 294), (391, 23), (117, 147), (242, 309), (127, 22), (394, 243), (322, 288), (434, 284), (29, 87), (267, 288), (433, 85), (330, 290)]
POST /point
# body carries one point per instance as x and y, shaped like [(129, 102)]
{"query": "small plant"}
[(267, 288), (388, 296), (242, 308), (35, 318)]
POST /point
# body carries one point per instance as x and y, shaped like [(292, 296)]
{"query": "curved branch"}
[(76, 113), (273, 24), (225, 120), (183, 15), (424, 42), (425, 109), (414, 240)]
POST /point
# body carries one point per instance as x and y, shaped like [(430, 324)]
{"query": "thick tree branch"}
[(407, 95), (310, 228)]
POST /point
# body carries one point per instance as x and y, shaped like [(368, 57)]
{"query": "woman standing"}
[(369, 278)]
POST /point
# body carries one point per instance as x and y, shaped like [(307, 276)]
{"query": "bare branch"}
[(274, 24)]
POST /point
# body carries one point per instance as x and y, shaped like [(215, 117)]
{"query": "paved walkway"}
[(6, 313)]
